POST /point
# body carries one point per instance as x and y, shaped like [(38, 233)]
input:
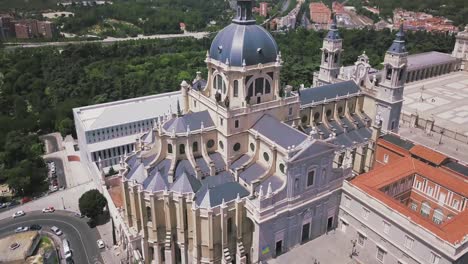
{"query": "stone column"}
[(181, 235), (358, 159), (169, 252), (126, 200), (196, 234), (144, 224)]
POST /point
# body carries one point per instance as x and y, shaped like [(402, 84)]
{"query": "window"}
[(409, 242), (380, 254), (290, 111), (182, 149), (236, 147), (229, 226), (221, 121), (386, 227), (433, 258), (281, 167), (438, 216), (361, 239), (236, 88), (236, 123), (430, 190), (304, 119), (385, 158), (365, 213), (149, 216), (266, 156), (169, 148), (328, 113), (221, 145), (195, 146), (455, 203), (310, 178), (418, 185), (413, 206), (425, 209), (316, 117), (252, 146), (347, 201)]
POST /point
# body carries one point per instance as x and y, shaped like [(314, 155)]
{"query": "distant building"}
[(461, 48), (7, 27), (32, 28), (182, 26), (46, 29), (22, 31), (319, 13), (338, 8), (410, 209), (422, 21), (263, 9)]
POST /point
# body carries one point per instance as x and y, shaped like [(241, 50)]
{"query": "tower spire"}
[(333, 32), (244, 12), (398, 45)]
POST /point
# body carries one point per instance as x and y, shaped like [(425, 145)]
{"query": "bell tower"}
[(390, 90), (331, 56)]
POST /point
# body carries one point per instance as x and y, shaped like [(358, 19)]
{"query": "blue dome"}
[(249, 42)]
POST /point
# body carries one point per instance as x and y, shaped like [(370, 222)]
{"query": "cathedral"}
[(235, 168), (246, 169)]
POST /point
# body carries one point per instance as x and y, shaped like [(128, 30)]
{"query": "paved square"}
[(444, 98)]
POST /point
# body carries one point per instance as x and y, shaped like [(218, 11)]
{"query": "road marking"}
[(43, 219)]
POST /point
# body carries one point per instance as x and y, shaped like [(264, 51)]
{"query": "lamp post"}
[(63, 203)]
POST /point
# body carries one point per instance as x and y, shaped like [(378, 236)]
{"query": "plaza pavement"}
[(331, 248), (443, 98)]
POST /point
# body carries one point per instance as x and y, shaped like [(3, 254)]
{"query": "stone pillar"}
[(169, 252), (210, 236), (135, 208), (196, 234), (144, 224), (358, 160), (126, 200), (181, 235)]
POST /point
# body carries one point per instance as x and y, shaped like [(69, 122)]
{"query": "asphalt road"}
[(81, 237), (59, 171)]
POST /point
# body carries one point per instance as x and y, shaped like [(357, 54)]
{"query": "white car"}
[(54, 189), (21, 229), (100, 243), (56, 230), (49, 209), (18, 214)]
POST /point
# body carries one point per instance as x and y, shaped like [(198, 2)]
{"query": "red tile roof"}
[(452, 230), (428, 154)]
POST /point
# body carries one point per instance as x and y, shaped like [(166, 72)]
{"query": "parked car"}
[(2, 205), (49, 209), (78, 215), (35, 227), (14, 246), (21, 229), (100, 243), (25, 200), (18, 214), (56, 230), (54, 189)]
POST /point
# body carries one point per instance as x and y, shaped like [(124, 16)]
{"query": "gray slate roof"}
[(248, 42), (398, 45), (421, 60), (186, 183), (455, 166), (193, 120), (333, 32), (210, 197), (278, 132), (396, 140), (155, 181), (328, 91)]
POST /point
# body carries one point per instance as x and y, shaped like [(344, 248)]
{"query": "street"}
[(81, 237)]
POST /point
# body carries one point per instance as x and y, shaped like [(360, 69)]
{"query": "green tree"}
[(92, 204), (66, 126)]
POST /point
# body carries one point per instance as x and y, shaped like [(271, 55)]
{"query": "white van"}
[(67, 253), (56, 230)]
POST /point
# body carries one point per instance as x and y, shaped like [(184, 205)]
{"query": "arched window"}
[(221, 145), (425, 209), (259, 86), (169, 148), (219, 84), (229, 226), (195, 146), (304, 119), (182, 149), (266, 156), (316, 117), (282, 167), (438, 216), (236, 88), (148, 214), (328, 113)]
